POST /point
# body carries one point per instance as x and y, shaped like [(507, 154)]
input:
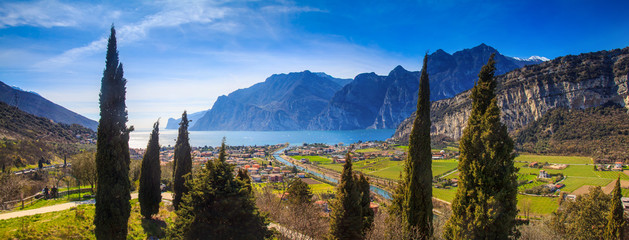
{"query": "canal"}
[(373, 188)]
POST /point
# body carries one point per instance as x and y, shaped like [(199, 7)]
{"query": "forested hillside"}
[(25, 138), (602, 132)]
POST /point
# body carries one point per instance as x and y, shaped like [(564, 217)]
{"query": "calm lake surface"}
[(139, 138)]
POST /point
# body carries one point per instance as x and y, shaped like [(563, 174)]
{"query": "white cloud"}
[(46, 13), (289, 9), (172, 15)]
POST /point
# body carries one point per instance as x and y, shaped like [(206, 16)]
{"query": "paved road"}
[(64, 206)]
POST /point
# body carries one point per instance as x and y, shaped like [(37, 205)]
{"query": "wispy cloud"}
[(172, 14), (290, 9), (46, 13)]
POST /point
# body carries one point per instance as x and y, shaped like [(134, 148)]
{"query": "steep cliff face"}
[(282, 102), (354, 106), (524, 95)]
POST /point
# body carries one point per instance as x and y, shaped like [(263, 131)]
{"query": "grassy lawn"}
[(76, 223), (553, 159), (44, 203), (539, 206)]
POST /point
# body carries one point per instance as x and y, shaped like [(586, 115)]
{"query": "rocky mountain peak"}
[(484, 48), (526, 94)]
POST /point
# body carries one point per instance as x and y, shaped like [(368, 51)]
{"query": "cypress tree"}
[(365, 201), (615, 219), (346, 217), (182, 162), (413, 198), (485, 203), (112, 154), (218, 206), (150, 194)]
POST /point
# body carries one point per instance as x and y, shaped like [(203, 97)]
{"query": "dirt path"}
[(64, 206)]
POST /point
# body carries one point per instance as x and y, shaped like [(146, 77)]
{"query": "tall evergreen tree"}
[(112, 154), (242, 175), (413, 198), (367, 213), (299, 193), (485, 203), (346, 217), (218, 206), (150, 193), (182, 162), (615, 219)]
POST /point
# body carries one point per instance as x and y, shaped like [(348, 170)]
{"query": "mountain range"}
[(282, 102), (527, 94), (37, 105), (317, 101)]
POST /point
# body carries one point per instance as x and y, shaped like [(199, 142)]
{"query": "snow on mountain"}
[(532, 59)]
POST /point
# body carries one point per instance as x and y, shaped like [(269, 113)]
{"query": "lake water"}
[(139, 139)]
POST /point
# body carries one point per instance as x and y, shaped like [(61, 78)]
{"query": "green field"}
[(404, 148), (321, 188), (574, 182), (443, 166), (579, 175), (367, 150), (317, 159), (444, 194), (385, 168), (576, 176), (553, 159), (451, 148), (539, 206)]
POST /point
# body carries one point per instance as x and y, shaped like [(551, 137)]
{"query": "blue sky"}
[(184, 54)]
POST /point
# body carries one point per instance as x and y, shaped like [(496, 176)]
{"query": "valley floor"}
[(570, 174)]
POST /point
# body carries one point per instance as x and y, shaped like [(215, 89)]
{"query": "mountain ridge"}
[(449, 74), (526, 94), (37, 105), (368, 101), (281, 102)]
